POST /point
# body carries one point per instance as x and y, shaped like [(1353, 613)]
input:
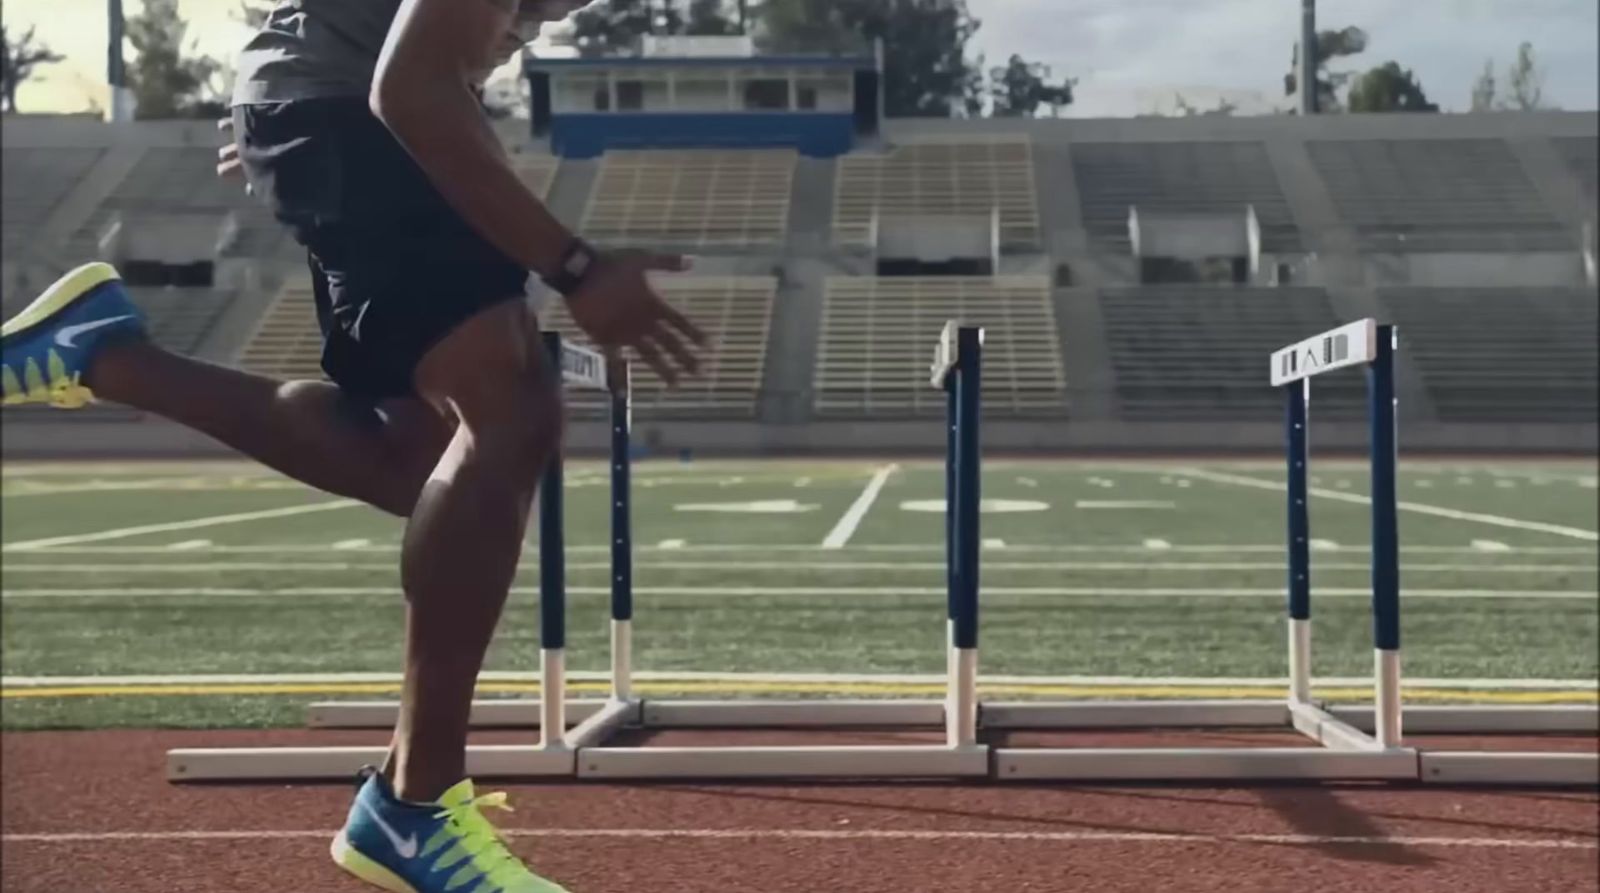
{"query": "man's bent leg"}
[(308, 430), (465, 536)]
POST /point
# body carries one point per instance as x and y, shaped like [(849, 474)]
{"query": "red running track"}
[(91, 812)]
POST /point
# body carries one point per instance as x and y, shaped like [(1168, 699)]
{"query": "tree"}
[(611, 27), (1389, 88), (17, 63), (253, 12), (1223, 108), (167, 83), (1483, 89), (710, 18), (926, 69), (1330, 45), (1020, 87), (1526, 80)]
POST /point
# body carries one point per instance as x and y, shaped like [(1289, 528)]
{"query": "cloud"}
[(1122, 51)]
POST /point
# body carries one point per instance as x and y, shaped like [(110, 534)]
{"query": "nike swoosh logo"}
[(68, 334), (405, 847)]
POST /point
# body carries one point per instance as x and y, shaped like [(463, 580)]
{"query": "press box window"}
[(766, 95), (630, 96)]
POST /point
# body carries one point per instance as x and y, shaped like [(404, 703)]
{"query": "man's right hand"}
[(618, 307)]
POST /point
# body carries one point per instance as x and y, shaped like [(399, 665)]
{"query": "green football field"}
[(217, 594)]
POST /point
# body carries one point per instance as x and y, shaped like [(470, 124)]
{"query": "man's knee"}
[(518, 425)]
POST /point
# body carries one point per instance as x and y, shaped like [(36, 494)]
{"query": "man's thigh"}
[(396, 269)]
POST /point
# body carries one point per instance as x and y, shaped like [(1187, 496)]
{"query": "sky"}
[(1130, 56)]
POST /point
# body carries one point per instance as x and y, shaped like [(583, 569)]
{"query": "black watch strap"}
[(577, 261)]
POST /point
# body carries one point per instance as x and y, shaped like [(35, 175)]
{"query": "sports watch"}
[(577, 261)]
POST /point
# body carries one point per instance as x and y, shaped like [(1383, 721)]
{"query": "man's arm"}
[(423, 92)]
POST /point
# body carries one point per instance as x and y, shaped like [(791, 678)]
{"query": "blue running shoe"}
[(46, 349), (431, 848)]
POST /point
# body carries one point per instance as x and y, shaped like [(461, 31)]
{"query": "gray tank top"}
[(311, 49)]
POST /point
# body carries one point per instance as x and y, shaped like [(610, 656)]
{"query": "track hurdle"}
[(1352, 742), (555, 754), (956, 369), (580, 749)]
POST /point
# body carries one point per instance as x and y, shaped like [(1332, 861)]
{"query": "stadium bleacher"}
[(874, 355), (169, 181), (34, 182), (1406, 196), (1492, 355), (971, 177), (1210, 178), (1197, 353), (287, 343), (1176, 352), (692, 198)]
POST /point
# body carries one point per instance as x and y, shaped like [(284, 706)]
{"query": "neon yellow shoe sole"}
[(347, 857)]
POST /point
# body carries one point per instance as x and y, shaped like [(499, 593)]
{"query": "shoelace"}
[(481, 841)]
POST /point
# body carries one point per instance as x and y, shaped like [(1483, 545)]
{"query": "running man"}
[(360, 122)]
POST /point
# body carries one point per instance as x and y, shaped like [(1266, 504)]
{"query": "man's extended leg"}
[(309, 430), (84, 335)]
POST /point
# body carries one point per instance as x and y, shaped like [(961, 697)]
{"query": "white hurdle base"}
[(342, 763), (492, 714), (1018, 715), (1575, 719), (1340, 739), (525, 714), (784, 762), (1202, 764), (1477, 767)]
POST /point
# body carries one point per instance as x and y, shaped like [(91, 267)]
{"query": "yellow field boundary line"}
[(878, 689)]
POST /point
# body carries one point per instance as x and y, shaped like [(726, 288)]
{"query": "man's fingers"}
[(225, 124), (652, 358), (228, 152), (682, 324), (685, 357), (229, 168)]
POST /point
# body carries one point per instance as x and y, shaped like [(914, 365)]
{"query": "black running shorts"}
[(394, 268)]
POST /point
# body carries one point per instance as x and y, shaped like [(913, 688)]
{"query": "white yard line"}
[(123, 592), (792, 835), (192, 524), (1577, 533), (1525, 684), (846, 528)]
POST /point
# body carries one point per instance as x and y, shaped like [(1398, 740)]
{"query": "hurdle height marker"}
[(1385, 537), (1297, 416), (958, 368)]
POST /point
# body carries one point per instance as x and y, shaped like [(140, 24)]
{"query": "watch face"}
[(578, 264)]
